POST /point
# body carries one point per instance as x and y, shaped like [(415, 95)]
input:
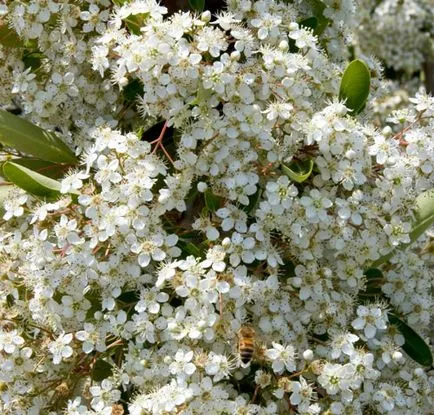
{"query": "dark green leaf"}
[(318, 11), (298, 171), (414, 345), (22, 135), (30, 181), (375, 280), (197, 5), (355, 86), (129, 297), (309, 23), (189, 248), (374, 273), (46, 168), (33, 60), (101, 370), (133, 90), (287, 269)]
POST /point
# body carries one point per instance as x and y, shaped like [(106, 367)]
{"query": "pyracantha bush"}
[(221, 180)]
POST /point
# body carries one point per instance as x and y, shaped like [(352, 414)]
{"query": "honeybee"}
[(246, 344)]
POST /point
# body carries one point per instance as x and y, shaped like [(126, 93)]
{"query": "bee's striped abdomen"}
[(246, 344)]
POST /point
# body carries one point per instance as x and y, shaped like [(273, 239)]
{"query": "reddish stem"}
[(159, 143)]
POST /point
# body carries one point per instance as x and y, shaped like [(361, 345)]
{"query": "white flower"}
[(336, 378), (103, 395), (150, 300), (398, 231), (282, 358), (302, 394), (218, 366), (315, 206), (72, 182), (13, 206), (182, 365), (10, 341), (60, 348), (370, 319), (215, 259)]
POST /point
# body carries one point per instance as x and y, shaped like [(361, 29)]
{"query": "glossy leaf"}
[(298, 171), (22, 135), (414, 345), (46, 168), (424, 219), (30, 181), (134, 23), (197, 5), (355, 86)]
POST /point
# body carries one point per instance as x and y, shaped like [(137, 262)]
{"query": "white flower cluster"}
[(399, 32), (127, 293)]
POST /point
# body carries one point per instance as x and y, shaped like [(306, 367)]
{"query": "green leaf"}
[(309, 23), (318, 8), (197, 5), (424, 219), (355, 86), (46, 168), (30, 181), (101, 370), (132, 90), (26, 137), (33, 60), (9, 38), (414, 345), (212, 202), (375, 280), (373, 273), (298, 171), (134, 23), (189, 248), (424, 214)]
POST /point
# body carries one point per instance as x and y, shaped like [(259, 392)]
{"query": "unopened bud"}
[(308, 355), (205, 16)]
